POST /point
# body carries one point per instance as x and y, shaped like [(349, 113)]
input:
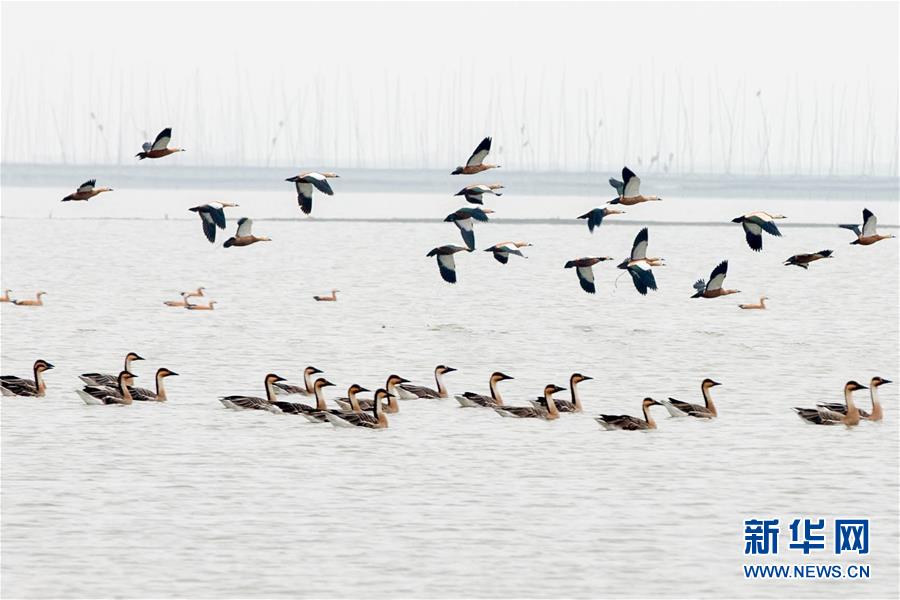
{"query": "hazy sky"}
[(571, 85)]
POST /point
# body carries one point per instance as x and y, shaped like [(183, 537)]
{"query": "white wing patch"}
[(869, 226), (633, 187), (752, 227), (245, 227), (639, 252), (586, 273), (161, 143), (716, 282), (447, 261), (477, 158)]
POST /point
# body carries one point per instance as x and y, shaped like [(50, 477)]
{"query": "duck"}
[(823, 416), (86, 191), (476, 163), (178, 303), (298, 408), (502, 250), (253, 402), (212, 215), (473, 400), (566, 406), (393, 393), (11, 385), (377, 420), (754, 224), (595, 216), (408, 391), (639, 266), (305, 182), (803, 260), (877, 413), (760, 306), (584, 270), (106, 395), (159, 148), (307, 389), (868, 235), (474, 194), (627, 422), (209, 306), (707, 410), (198, 293), (106, 378), (714, 288), (531, 412), (464, 219), (38, 300), (321, 416), (330, 298), (5, 296), (244, 235), (145, 395), (445, 260), (629, 189)]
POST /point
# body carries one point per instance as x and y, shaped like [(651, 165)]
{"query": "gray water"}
[(190, 499)]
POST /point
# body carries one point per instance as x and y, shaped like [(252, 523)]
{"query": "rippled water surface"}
[(190, 499)]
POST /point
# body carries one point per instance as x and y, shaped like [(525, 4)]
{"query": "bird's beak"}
[(449, 369), (362, 389), (883, 381), (49, 366), (173, 373), (586, 378)]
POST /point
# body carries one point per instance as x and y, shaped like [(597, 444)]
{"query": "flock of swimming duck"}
[(352, 411)]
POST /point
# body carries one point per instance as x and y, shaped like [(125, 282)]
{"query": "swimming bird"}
[(868, 235), (465, 219), (760, 306), (243, 236), (305, 182), (179, 303), (714, 288), (106, 378), (208, 306), (159, 395), (803, 260), (639, 266), (36, 302), (5, 297), (629, 189), (476, 163), (471, 399), (754, 224), (321, 416), (159, 148), (198, 293), (531, 412), (627, 422), (823, 416), (86, 191), (566, 406), (584, 269), (393, 392), (408, 391), (331, 298), (11, 385), (120, 394), (253, 402), (445, 260), (377, 420), (877, 413), (282, 388), (298, 408), (502, 250), (475, 193), (212, 215), (595, 216), (707, 410)]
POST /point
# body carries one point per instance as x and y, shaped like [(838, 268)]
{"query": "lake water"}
[(190, 499)]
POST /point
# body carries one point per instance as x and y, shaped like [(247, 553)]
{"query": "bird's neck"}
[(649, 418), (576, 399), (877, 412), (495, 394), (551, 404), (708, 402), (160, 388), (439, 380), (320, 399)]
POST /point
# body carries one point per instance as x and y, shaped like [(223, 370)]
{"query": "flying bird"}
[(159, 148), (504, 249), (212, 215), (803, 260), (629, 189), (474, 193), (445, 261), (754, 224), (243, 236), (584, 269), (305, 182), (639, 266), (714, 288), (868, 235), (465, 219), (86, 191), (595, 217), (476, 163)]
